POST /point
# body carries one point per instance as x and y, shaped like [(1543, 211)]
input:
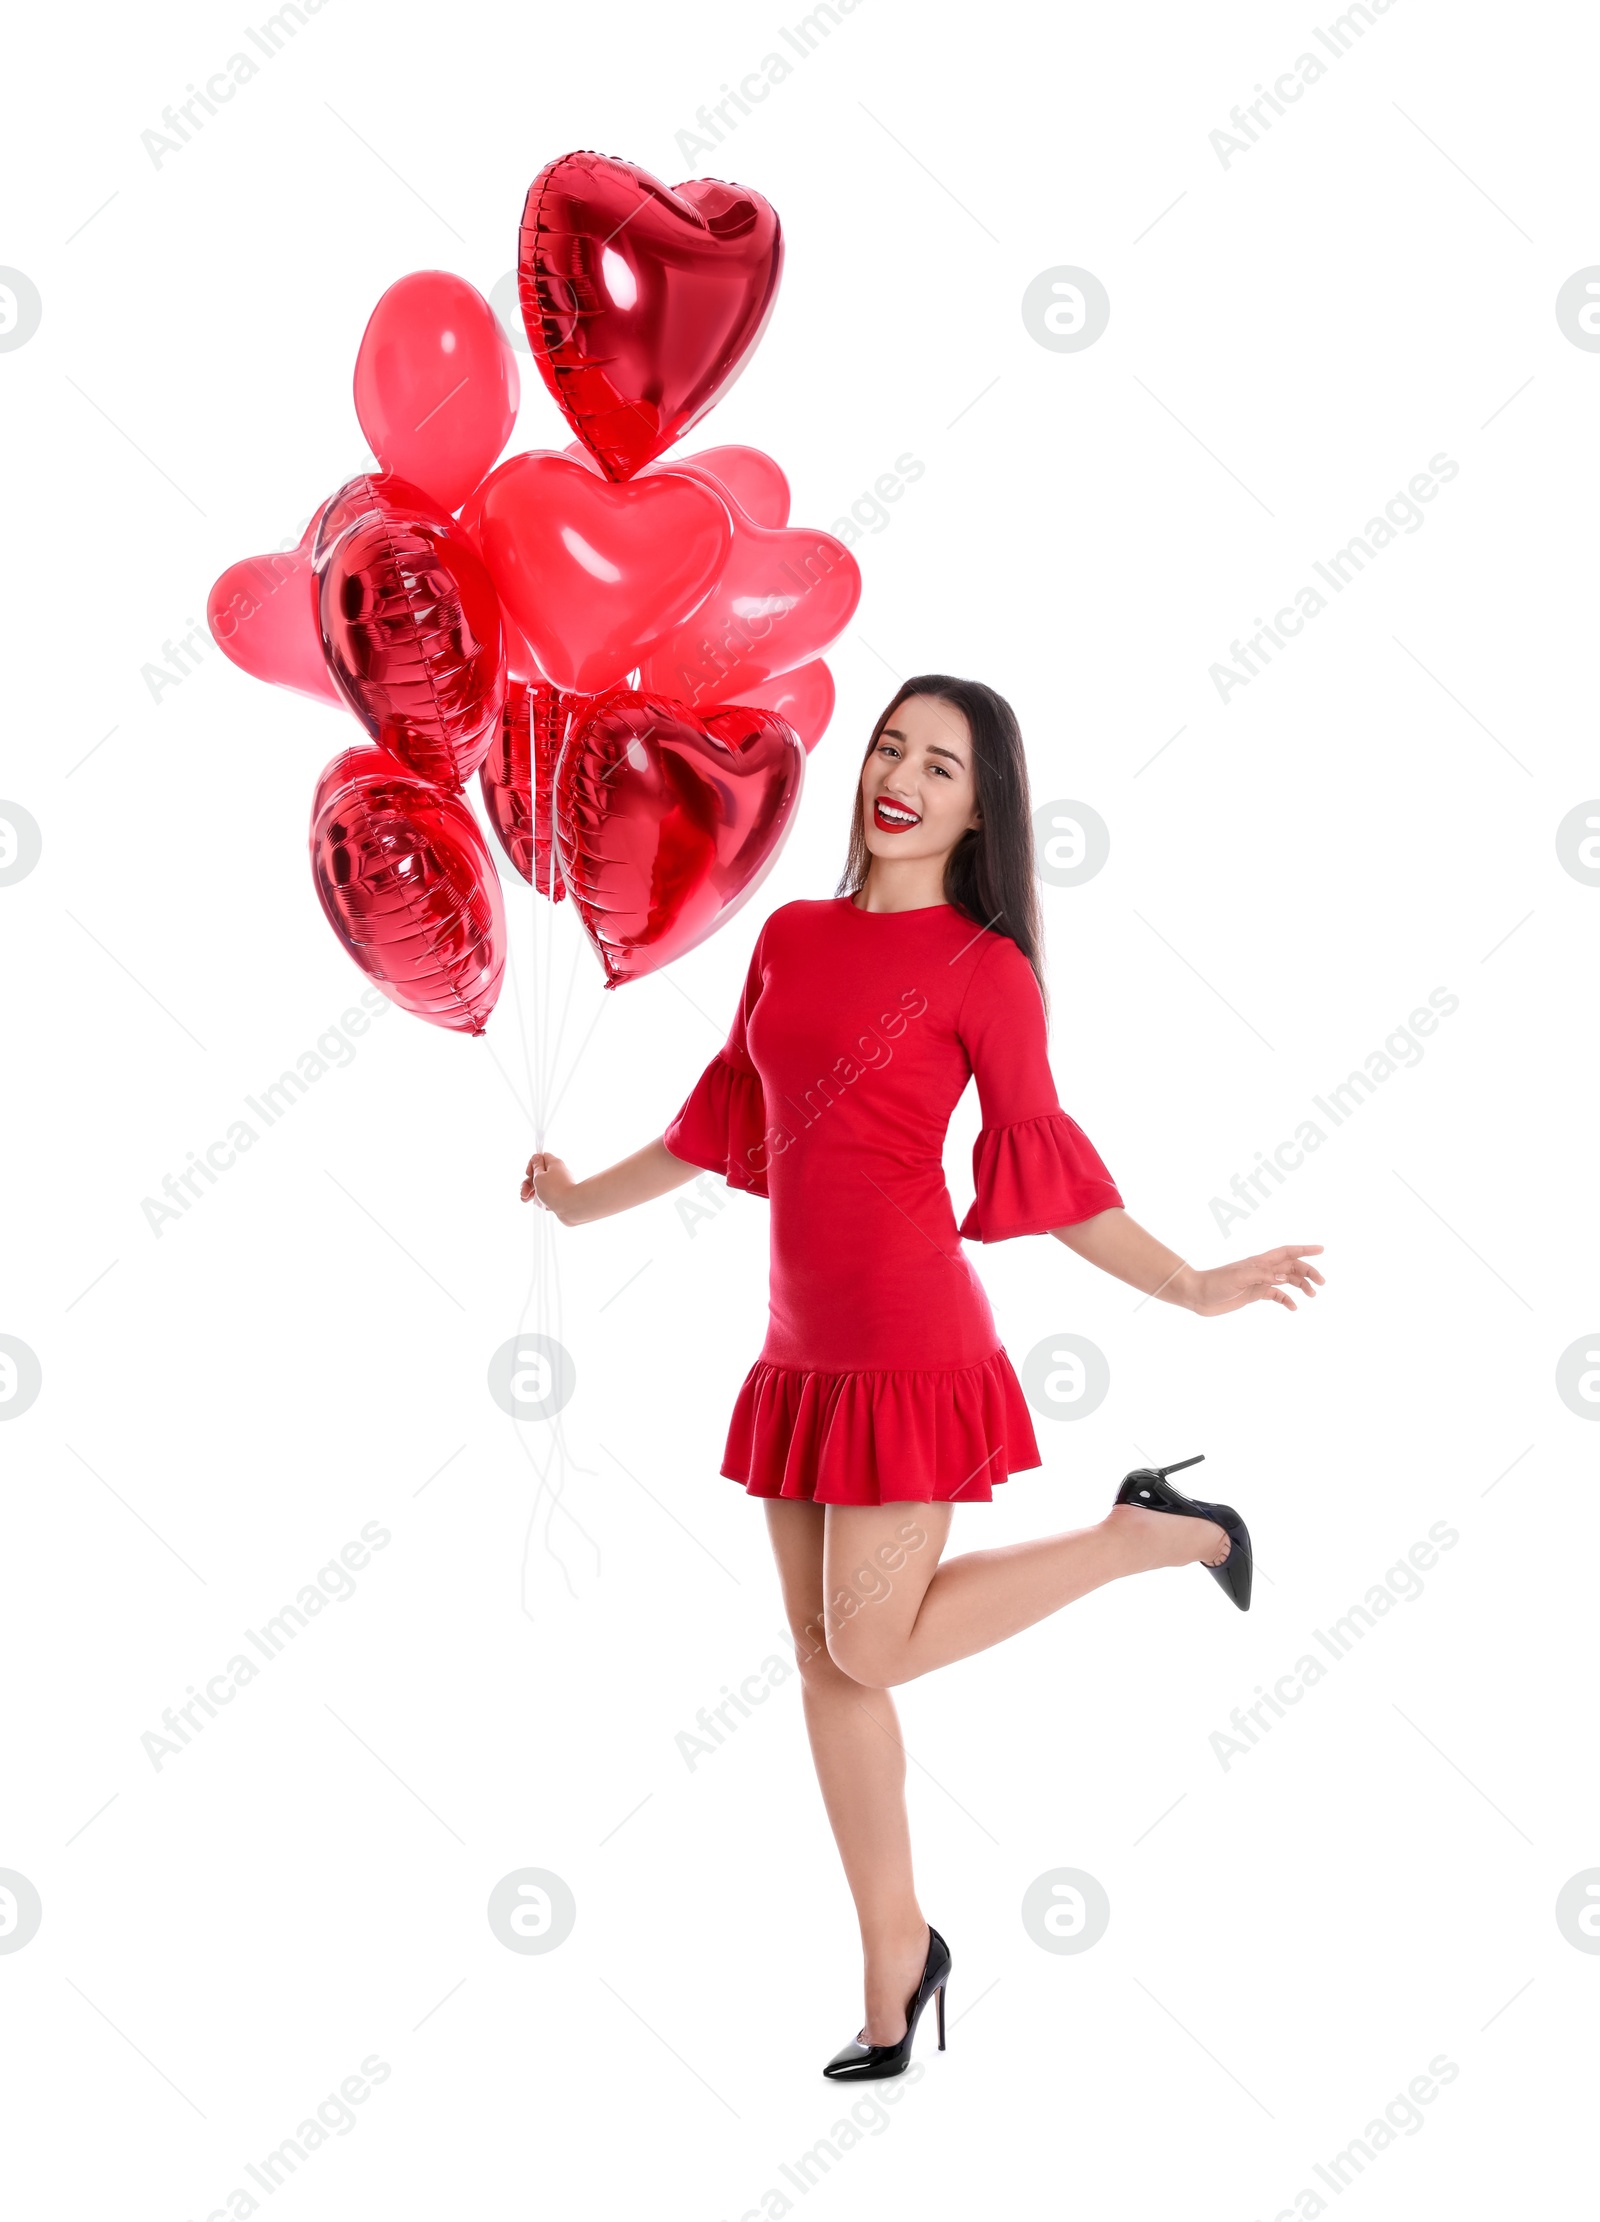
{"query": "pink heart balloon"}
[(436, 384), (803, 699), (754, 480), (782, 596), (596, 574), (263, 616)]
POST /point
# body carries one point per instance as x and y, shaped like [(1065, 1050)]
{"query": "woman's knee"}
[(868, 1655), (832, 1653)]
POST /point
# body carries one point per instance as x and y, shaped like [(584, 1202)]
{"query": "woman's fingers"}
[(1289, 1264)]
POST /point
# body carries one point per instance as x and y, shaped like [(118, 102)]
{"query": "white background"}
[(1292, 1938)]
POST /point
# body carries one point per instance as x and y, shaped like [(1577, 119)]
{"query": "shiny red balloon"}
[(782, 596), (596, 575), (411, 625), (407, 883), (263, 616), (516, 777), (665, 823), (436, 384), (368, 494), (803, 699), (641, 301)]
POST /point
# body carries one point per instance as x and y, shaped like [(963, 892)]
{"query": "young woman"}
[(882, 1397)]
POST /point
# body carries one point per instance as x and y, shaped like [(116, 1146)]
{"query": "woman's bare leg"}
[(869, 1604), (914, 1613), (861, 1768)]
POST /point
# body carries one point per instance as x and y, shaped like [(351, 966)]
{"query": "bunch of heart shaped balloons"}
[(627, 651)]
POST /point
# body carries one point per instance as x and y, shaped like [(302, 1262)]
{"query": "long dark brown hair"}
[(989, 875)]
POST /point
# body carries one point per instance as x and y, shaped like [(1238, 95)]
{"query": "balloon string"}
[(541, 1051), (522, 1029), (551, 1043)]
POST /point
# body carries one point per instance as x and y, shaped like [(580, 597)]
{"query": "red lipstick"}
[(893, 817)]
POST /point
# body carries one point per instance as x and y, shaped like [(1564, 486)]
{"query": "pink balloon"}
[(803, 699), (753, 479), (521, 662), (782, 596), (595, 574), (263, 616), (436, 384)]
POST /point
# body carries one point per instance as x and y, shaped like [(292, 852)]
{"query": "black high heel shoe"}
[(1148, 1486), (859, 2063)]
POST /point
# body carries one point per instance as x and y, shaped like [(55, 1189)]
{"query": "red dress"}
[(882, 1377)]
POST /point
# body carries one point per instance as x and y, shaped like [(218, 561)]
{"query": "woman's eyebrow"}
[(893, 733)]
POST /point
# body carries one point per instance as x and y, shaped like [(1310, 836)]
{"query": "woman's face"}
[(919, 792)]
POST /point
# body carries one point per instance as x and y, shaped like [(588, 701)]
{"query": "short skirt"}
[(895, 1436)]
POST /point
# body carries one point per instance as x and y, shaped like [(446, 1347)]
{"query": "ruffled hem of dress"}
[(722, 1125), (890, 1436), (1035, 1175)]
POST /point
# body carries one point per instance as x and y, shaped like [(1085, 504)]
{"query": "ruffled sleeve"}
[(1033, 1166), (722, 1123)]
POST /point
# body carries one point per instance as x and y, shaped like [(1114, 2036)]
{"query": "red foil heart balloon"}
[(436, 384), (780, 599), (641, 301), (411, 625), (406, 881), (263, 616), (665, 823), (516, 778), (368, 494), (596, 575)]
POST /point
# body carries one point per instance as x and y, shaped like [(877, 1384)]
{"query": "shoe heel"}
[(938, 2000), (1198, 1459)]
